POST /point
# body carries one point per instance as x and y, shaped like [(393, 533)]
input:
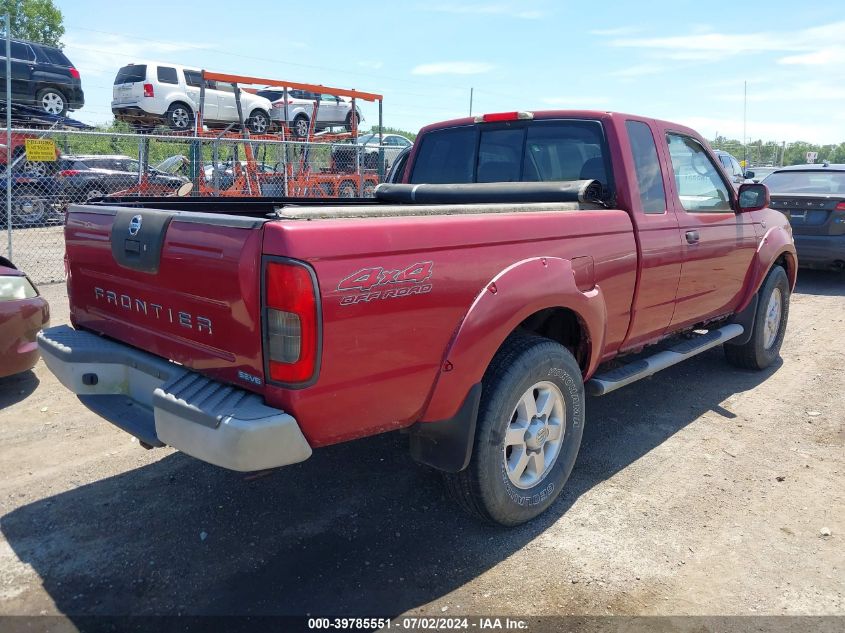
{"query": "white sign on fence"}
[(812, 156)]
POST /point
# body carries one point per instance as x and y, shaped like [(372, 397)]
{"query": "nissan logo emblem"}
[(135, 225)]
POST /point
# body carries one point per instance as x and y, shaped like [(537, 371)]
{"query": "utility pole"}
[(8, 24), (470, 101)]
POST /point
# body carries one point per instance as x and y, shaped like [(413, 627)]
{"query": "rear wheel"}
[(52, 101), (763, 348), (347, 189), (179, 117), (28, 209), (348, 123), (528, 432)]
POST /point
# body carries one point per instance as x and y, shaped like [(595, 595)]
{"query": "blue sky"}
[(684, 61)]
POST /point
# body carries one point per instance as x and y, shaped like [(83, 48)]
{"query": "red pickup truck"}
[(520, 261)]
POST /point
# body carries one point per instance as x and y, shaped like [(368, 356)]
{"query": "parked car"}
[(42, 76), (84, 177), (23, 313), (36, 200), (332, 111), (391, 144), (472, 312), (757, 173), (145, 95), (732, 167), (813, 198)]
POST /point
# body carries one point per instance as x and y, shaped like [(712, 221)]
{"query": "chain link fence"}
[(77, 166)]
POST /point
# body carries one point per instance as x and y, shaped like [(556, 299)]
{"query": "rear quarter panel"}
[(382, 352)]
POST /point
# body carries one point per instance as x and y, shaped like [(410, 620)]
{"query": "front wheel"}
[(763, 348), (259, 122), (528, 432)]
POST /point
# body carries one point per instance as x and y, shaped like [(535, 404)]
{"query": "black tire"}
[(259, 122), (347, 189), (485, 489), (763, 348), (52, 101), (348, 123), (180, 117), (369, 190), (301, 126), (94, 192), (28, 208)]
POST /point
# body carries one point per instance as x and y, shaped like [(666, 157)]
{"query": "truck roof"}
[(558, 114)]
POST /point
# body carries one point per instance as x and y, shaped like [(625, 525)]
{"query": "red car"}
[(23, 312)]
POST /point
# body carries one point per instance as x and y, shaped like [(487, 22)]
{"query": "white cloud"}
[(103, 54), (513, 11), (822, 57), (811, 45), (638, 70), (788, 131), (453, 68)]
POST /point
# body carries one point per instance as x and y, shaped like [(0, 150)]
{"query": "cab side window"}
[(700, 187), (647, 166)]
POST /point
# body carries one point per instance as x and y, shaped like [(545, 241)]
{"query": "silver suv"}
[(332, 111)]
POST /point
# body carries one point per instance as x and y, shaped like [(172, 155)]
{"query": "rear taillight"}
[(74, 73), (840, 206), (503, 116), (68, 172), (148, 90), (291, 322)]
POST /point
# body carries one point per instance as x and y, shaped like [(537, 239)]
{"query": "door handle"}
[(692, 237)]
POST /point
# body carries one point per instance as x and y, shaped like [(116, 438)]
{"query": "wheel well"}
[(181, 103), (564, 326), (787, 262)]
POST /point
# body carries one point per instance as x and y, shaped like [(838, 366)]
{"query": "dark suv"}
[(42, 76)]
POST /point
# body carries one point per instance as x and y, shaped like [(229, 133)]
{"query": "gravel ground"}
[(704, 490)]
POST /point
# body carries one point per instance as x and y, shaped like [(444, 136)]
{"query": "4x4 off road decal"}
[(370, 284)]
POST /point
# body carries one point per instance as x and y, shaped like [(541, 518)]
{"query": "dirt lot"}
[(703, 490)]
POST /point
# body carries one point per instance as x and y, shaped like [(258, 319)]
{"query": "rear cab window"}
[(544, 150), (131, 74)]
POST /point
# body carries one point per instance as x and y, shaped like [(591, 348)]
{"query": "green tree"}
[(36, 20)]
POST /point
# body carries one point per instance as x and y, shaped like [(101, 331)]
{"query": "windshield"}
[(367, 139), (806, 181)]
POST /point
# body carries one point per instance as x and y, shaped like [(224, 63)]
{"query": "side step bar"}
[(601, 384)]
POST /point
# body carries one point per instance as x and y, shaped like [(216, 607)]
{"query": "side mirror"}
[(749, 174), (753, 197)]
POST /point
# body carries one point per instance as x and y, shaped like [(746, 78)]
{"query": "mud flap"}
[(447, 444)]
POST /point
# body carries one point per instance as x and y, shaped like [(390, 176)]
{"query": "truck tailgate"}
[(183, 286)]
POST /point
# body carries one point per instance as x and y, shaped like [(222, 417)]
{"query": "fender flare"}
[(776, 243), (514, 294)]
